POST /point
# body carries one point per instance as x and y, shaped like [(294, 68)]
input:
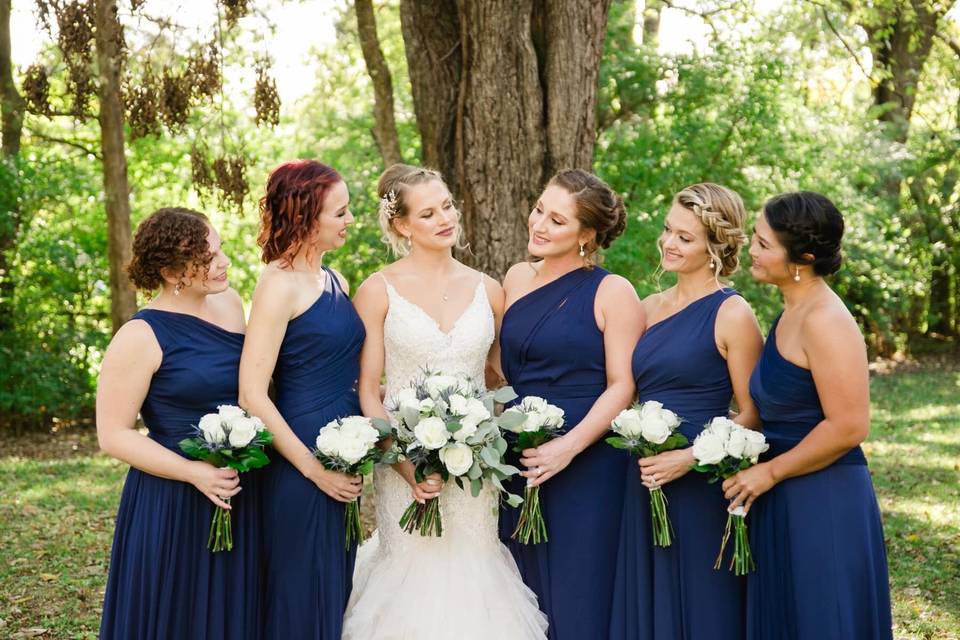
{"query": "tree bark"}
[(11, 126), (385, 127), (504, 94), (123, 300)]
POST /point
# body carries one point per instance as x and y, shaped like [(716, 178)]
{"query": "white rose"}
[(352, 449), (427, 405), (535, 403), (708, 448), (477, 413), (627, 423), (459, 405), (329, 440), (259, 423), (650, 407), (553, 416), (212, 429), (407, 397), (431, 432), (721, 427), (438, 383), (736, 443), (229, 412), (756, 444), (359, 428), (457, 458), (656, 427), (242, 431), (533, 421), (477, 409)]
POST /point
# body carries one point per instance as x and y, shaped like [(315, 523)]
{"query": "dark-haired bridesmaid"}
[(304, 334), (173, 362), (567, 336), (815, 525), (701, 344)]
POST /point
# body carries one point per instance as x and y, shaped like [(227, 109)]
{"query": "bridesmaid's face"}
[(683, 242), (553, 225), (768, 258), (335, 217), (432, 221), (203, 281)]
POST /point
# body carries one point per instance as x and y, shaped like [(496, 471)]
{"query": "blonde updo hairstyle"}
[(392, 189), (721, 212)]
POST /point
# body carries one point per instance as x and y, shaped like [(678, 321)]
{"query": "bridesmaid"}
[(306, 335), (701, 344), (815, 528), (174, 361), (567, 336)]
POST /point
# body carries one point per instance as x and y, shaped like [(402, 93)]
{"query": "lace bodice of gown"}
[(413, 341)]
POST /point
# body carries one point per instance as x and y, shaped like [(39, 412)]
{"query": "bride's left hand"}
[(547, 460)]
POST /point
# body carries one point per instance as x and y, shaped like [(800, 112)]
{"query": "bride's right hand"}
[(422, 491), (339, 486)]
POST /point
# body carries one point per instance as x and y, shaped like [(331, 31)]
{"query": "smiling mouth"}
[(445, 232)]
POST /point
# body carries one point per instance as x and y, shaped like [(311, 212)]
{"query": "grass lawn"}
[(59, 495)]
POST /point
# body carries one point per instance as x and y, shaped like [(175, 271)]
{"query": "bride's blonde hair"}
[(391, 189)]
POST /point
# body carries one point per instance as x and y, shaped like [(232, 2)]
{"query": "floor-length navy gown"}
[(308, 571), (817, 539), (164, 582), (552, 348), (674, 593)]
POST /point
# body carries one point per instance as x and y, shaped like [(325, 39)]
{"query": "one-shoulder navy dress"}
[(551, 347), (817, 539), (308, 572), (164, 582)]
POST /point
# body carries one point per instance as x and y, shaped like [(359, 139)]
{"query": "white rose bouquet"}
[(348, 445), (229, 438), (646, 430), (445, 425), (535, 421), (722, 449)]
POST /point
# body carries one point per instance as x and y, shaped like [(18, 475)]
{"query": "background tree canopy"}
[(126, 110)]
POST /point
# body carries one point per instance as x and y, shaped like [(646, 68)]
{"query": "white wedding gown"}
[(464, 584)]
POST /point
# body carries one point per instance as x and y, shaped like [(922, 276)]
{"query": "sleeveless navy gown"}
[(308, 572), (164, 582), (551, 347), (673, 593), (817, 539)]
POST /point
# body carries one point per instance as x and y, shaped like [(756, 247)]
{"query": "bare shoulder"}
[(829, 325), (276, 285), (371, 295), (229, 309), (736, 311), (494, 292), (134, 343), (518, 274), (616, 289)]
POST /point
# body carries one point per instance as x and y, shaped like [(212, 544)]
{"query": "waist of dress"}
[(778, 446), (294, 403), (172, 440), (558, 391)]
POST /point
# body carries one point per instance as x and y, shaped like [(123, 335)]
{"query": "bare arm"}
[(270, 312), (494, 372), (128, 367), (623, 324), (740, 341)]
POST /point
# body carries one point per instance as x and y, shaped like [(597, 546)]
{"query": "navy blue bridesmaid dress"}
[(817, 539), (308, 572), (164, 582), (674, 593), (551, 347)]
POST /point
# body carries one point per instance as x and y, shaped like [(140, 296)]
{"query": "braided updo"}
[(807, 224), (721, 211), (598, 206)]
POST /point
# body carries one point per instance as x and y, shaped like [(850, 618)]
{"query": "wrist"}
[(572, 443), (773, 469)]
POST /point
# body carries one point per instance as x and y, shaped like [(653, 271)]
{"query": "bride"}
[(429, 310)]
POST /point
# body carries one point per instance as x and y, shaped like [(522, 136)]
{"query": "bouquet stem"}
[(353, 530), (423, 517), (742, 561), (531, 526), (221, 532), (662, 529)]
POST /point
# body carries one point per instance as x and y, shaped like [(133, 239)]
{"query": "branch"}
[(950, 42), (385, 126), (69, 143)]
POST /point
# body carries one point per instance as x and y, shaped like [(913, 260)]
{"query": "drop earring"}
[(796, 275), (176, 289), (582, 253), (713, 265)]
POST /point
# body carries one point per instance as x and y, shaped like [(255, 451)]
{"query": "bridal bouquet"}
[(646, 430), (445, 425), (229, 438), (722, 449), (348, 445), (535, 422)]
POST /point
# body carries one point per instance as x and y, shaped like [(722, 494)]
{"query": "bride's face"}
[(432, 222)]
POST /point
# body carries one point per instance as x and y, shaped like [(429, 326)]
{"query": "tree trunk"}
[(11, 125), (504, 93), (385, 127), (651, 22), (123, 299)]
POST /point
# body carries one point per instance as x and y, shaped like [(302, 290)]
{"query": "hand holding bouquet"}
[(348, 445), (722, 449), (535, 422), (229, 438), (647, 430)]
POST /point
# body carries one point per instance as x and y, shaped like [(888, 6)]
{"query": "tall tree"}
[(385, 127), (108, 38), (504, 94), (11, 124)]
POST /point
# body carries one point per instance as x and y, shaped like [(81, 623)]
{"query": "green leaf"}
[(475, 485), (382, 426), (618, 442), (510, 420), (503, 395)]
